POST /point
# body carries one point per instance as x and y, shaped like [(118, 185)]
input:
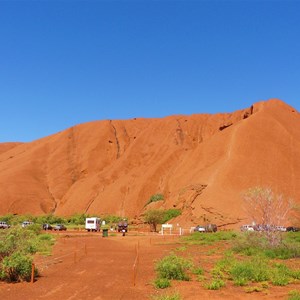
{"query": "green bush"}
[(155, 198), (175, 296), (198, 271), (222, 267), (170, 214), (17, 239), (112, 219), (17, 245), (16, 267), (215, 284), (77, 219), (173, 267), (294, 295), (210, 238), (253, 244), (252, 289), (255, 270), (162, 283)]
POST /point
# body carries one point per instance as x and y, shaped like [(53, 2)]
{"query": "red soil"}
[(201, 163), (102, 269)]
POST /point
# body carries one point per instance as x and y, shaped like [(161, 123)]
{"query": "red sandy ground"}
[(88, 266)]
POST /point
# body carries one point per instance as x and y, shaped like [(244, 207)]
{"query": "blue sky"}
[(68, 62)]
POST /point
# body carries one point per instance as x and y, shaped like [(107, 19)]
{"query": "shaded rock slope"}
[(201, 163)]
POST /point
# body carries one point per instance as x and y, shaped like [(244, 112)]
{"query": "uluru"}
[(200, 163)]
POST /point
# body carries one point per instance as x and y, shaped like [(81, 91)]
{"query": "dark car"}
[(60, 227), (292, 228), (211, 227), (122, 225), (47, 227)]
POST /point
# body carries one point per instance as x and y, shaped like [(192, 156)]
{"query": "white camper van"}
[(92, 224)]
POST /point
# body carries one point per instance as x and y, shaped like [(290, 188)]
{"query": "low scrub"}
[(170, 214), (155, 198), (254, 270), (209, 238), (294, 295), (215, 284), (253, 243), (173, 267), (162, 283), (17, 246), (175, 296), (16, 267)]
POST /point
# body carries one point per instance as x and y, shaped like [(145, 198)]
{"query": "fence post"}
[(32, 272)]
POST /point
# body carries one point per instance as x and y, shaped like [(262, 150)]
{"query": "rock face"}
[(201, 163)]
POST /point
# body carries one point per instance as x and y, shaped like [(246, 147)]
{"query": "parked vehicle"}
[(47, 227), (26, 223), (59, 227), (280, 228), (4, 225), (123, 225), (247, 227), (92, 224), (211, 228), (206, 228), (199, 228), (292, 228)]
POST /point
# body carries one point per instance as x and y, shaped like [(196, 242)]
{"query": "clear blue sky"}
[(68, 62)]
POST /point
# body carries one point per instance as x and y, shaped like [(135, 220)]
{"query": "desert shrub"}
[(292, 237), (252, 289), (198, 271), (17, 239), (175, 296), (170, 214), (7, 218), (255, 270), (173, 267), (294, 295), (283, 275), (50, 219), (16, 267), (215, 284), (77, 219), (252, 244), (162, 283), (44, 243), (155, 198), (112, 219), (222, 267), (210, 238), (268, 209), (280, 280), (17, 245)]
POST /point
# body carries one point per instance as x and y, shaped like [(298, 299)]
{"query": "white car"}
[(247, 228), (26, 223), (4, 225), (200, 228), (280, 228)]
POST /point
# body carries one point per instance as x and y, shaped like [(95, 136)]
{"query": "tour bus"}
[(92, 224)]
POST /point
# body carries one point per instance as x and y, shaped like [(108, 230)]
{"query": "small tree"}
[(154, 217), (267, 210)]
